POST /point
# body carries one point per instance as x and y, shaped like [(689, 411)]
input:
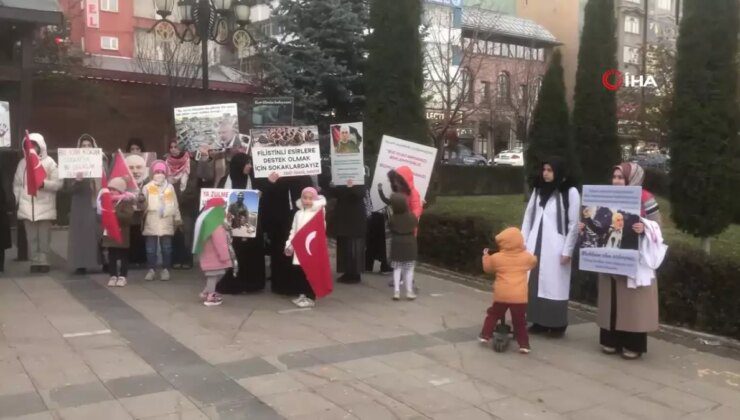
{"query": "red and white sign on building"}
[(92, 13)]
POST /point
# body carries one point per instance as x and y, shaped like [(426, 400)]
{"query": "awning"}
[(45, 12)]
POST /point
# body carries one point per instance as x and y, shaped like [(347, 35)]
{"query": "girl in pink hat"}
[(161, 217)]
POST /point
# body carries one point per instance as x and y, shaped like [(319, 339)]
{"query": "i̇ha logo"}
[(613, 79)]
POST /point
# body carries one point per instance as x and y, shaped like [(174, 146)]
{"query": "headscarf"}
[(95, 183), (633, 173), (87, 137), (178, 167), (237, 178), (311, 190), (545, 189)]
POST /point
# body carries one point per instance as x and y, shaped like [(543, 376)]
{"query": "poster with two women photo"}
[(287, 151), (347, 159), (242, 209), (608, 241)]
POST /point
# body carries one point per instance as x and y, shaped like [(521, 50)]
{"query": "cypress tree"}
[(394, 75), (595, 107), (550, 134), (703, 123)]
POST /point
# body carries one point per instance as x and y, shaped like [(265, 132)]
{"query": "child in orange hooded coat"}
[(511, 266)]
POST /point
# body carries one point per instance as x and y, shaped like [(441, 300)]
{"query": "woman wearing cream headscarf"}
[(626, 314)]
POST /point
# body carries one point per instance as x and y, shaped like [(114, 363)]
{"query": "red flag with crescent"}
[(108, 219), (35, 172), (120, 169), (312, 250)]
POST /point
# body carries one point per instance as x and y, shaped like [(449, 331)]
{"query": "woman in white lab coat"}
[(550, 230)]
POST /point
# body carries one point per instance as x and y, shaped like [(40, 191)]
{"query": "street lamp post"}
[(220, 21)]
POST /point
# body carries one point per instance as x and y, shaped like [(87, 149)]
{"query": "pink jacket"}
[(215, 254)]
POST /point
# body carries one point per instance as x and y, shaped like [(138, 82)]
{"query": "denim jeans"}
[(165, 243)]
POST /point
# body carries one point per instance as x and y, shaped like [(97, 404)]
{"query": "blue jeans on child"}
[(165, 244)]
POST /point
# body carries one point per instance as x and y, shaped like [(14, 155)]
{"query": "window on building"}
[(481, 46), (635, 1), (486, 100), (527, 53), (489, 47), (541, 54), (632, 24), (664, 4), (109, 6), (519, 51), (109, 43), (503, 87), (496, 48), (468, 86), (523, 94), (631, 55)]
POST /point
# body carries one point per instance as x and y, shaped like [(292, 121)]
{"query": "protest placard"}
[(242, 209), (395, 153), (608, 241), (4, 124), (287, 151), (347, 159), (272, 111), (87, 162), (207, 127)]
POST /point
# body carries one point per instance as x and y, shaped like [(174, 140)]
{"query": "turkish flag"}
[(108, 219), (120, 169), (310, 246), (35, 172)]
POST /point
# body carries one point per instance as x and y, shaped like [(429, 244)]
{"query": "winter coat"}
[(7, 204), (558, 239), (125, 216), (188, 199), (414, 199), (402, 225), (44, 205), (511, 266), (301, 217), (349, 214), (215, 254), (156, 223)]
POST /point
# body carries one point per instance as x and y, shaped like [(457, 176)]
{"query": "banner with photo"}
[(138, 164), (608, 242), (87, 162), (272, 111), (347, 159), (207, 127), (288, 151), (395, 153), (4, 124), (242, 209)]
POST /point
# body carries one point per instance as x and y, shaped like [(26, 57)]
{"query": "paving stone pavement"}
[(71, 348)]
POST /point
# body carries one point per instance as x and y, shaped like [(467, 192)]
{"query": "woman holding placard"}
[(550, 232), (83, 251), (628, 308)]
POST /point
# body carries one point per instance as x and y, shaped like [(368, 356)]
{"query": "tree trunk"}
[(706, 245)]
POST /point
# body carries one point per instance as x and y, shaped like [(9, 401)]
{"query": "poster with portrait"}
[(287, 151), (87, 162), (242, 209), (608, 241), (4, 124), (139, 164), (394, 153), (272, 111), (207, 127), (347, 159)]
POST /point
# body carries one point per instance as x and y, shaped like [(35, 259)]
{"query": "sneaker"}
[(150, 275), (213, 300), (608, 350), (410, 295), (121, 281), (112, 281), (306, 303), (630, 355), (203, 295), (299, 299), (164, 275), (484, 340), (524, 350), (396, 295)]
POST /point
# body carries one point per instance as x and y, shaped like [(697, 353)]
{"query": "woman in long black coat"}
[(7, 205), (250, 252), (349, 227)]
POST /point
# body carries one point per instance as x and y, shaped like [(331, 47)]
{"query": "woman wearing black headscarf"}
[(550, 233), (250, 252)]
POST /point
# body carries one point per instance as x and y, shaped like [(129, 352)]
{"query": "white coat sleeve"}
[(52, 181), (18, 184), (527, 222), (574, 205), (293, 230)]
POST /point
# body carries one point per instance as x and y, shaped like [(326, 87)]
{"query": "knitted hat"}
[(118, 184), (159, 165), (311, 190)]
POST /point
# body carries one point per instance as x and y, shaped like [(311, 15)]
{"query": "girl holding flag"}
[(115, 202), (212, 244)]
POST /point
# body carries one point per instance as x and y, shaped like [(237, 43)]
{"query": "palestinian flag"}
[(212, 216)]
